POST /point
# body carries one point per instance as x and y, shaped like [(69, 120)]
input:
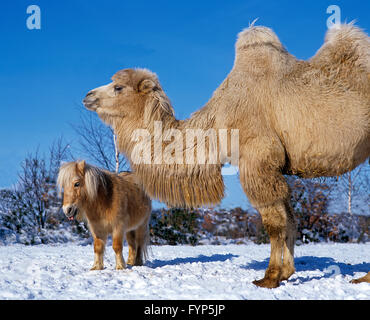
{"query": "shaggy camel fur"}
[(305, 118), (112, 204)]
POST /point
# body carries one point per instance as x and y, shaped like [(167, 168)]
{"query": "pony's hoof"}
[(94, 268), (267, 283), (120, 267)]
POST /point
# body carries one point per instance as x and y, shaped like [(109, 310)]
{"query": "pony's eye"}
[(77, 184), (118, 88)]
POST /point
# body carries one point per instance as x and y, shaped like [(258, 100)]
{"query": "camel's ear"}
[(156, 107), (146, 85), (81, 167)]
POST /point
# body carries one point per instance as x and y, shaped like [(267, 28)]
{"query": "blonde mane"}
[(93, 178)]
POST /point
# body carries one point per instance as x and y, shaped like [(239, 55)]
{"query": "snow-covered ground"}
[(181, 272)]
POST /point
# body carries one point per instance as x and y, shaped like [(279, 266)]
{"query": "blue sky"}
[(44, 74)]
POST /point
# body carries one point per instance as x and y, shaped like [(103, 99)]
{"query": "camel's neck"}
[(173, 159), (200, 119), (164, 130)]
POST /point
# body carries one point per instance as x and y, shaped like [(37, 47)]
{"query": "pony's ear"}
[(146, 85), (81, 167)]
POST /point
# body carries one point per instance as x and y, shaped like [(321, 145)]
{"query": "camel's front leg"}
[(365, 278), (99, 246), (268, 192), (274, 221), (288, 248), (279, 222)]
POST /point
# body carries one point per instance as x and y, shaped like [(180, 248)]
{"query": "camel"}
[(306, 118)]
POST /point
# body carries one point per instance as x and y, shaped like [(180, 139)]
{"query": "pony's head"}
[(80, 183)]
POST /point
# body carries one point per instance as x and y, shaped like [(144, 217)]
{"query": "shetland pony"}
[(112, 204)]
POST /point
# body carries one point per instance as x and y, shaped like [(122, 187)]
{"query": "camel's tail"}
[(345, 46)]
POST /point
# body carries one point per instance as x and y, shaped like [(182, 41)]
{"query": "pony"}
[(112, 204)]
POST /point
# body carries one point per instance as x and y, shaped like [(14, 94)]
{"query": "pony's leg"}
[(288, 249), (99, 246), (130, 236), (141, 238), (117, 247), (365, 278)]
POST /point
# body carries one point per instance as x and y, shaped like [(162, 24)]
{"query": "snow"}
[(61, 271)]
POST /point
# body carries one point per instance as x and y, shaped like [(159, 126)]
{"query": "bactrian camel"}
[(306, 118)]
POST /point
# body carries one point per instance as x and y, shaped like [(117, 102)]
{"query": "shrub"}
[(174, 226)]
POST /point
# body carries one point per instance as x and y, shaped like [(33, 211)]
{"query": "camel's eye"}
[(77, 184), (118, 88)]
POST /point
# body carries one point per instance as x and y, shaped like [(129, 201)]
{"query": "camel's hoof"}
[(285, 276), (365, 278), (356, 281), (267, 283), (360, 280)]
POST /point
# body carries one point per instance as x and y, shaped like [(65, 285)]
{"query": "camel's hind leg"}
[(365, 278)]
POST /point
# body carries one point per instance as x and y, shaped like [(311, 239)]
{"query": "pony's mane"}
[(94, 178)]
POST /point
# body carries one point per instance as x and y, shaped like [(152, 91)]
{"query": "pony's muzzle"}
[(70, 211)]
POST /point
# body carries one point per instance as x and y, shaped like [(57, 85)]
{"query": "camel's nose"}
[(90, 100), (90, 93), (89, 97)]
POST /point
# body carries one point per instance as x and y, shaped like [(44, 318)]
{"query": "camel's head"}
[(134, 94)]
